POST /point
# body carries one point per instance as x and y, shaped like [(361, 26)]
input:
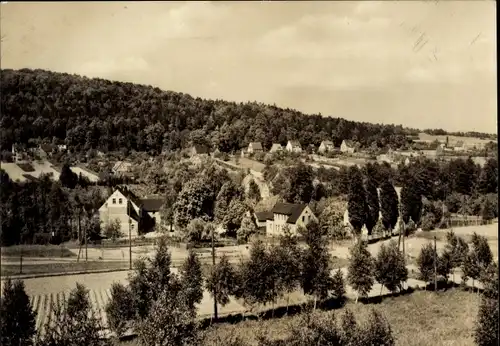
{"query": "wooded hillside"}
[(100, 114)]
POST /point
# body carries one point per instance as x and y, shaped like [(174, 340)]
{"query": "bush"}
[(120, 308), (427, 222)]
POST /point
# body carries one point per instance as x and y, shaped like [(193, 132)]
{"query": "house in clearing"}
[(45, 150), (121, 168), (255, 147), (198, 149), (291, 215), (348, 146), (127, 208), (459, 146), (276, 147), (293, 147), (326, 146)]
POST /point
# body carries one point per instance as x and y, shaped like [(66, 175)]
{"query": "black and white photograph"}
[(249, 173)]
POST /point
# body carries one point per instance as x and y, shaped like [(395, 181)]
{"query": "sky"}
[(429, 64)]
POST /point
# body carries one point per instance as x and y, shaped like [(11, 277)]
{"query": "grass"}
[(52, 268), (420, 319), (53, 251), (27, 167)]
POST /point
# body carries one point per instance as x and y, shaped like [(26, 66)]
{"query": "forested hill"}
[(96, 113)]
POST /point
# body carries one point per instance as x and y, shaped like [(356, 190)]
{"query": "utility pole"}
[(213, 263), (86, 247), (435, 266), (129, 236)]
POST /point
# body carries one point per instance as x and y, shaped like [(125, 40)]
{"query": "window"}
[(119, 201), (132, 226), (114, 200), (303, 218)]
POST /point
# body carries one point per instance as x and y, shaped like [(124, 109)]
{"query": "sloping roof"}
[(130, 195), (152, 204), (256, 145), (350, 143), (459, 144), (121, 164), (327, 143), (294, 143), (200, 149), (292, 210), (264, 215), (47, 147)]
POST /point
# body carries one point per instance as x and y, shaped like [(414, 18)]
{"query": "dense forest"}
[(86, 113)]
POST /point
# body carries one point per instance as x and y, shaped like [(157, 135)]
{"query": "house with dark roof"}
[(255, 147), (293, 147), (326, 146), (286, 214), (123, 205), (276, 147), (198, 149), (349, 146)]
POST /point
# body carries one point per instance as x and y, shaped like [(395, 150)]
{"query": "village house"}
[(126, 207), (291, 215), (348, 146), (442, 150), (255, 147), (459, 146), (121, 168), (293, 147), (326, 146), (276, 147), (45, 151), (198, 149)]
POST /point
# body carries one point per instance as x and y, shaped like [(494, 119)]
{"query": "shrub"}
[(390, 267), (361, 269), (120, 308)]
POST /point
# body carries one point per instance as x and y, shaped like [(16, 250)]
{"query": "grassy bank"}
[(48, 251), (56, 268), (420, 319)]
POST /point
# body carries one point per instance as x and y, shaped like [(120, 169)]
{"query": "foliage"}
[(486, 329), (73, 322), (194, 201), (377, 331), (357, 206), (300, 188), (390, 267), (196, 231), (228, 192), (254, 191), (191, 280), (360, 275), (17, 319), (351, 331), (338, 285), (373, 204), (488, 210), (455, 250), (488, 178), (411, 201), (425, 262), (113, 230), (170, 322), (331, 218), (247, 229), (67, 177), (120, 308), (389, 205), (222, 281), (234, 216), (482, 249)]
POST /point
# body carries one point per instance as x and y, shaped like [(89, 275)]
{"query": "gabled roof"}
[(152, 204), (47, 147), (130, 195), (327, 143), (294, 143), (256, 145), (350, 143), (264, 215), (200, 149), (292, 210), (120, 164)]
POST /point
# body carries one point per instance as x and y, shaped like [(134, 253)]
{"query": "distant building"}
[(276, 147), (459, 146), (293, 147), (348, 146), (262, 217), (46, 150), (291, 215), (255, 147), (326, 146), (121, 168), (125, 207)]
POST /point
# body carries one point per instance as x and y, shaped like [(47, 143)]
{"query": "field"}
[(15, 171), (452, 139), (49, 251), (419, 319)]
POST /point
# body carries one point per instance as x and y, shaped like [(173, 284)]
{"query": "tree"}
[(234, 215), (483, 251), (17, 319), (486, 329), (372, 205), (192, 280), (73, 322), (254, 191), (196, 231), (470, 267), (389, 205), (360, 273), (222, 281), (228, 192), (167, 209), (378, 331), (316, 264), (350, 335), (331, 218), (300, 188), (247, 229), (390, 267), (357, 206), (411, 201), (425, 262), (68, 178), (338, 285), (194, 201), (456, 250), (120, 308), (170, 322), (487, 210), (113, 230), (488, 178)]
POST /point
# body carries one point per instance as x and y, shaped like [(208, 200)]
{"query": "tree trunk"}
[(381, 286)]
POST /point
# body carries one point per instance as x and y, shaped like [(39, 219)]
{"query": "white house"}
[(255, 147), (276, 148), (294, 147), (348, 146), (326, 146), (291, 215), (125, 207)]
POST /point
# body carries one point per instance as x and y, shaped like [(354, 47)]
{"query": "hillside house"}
[(326, 146), (45, 151), (198, 149), (262, 217), (125, 207), (292, 215), (442, 150), (459, 146), (348, 146), (255, 147), (293, 147), (121, 168), (276, 147)]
